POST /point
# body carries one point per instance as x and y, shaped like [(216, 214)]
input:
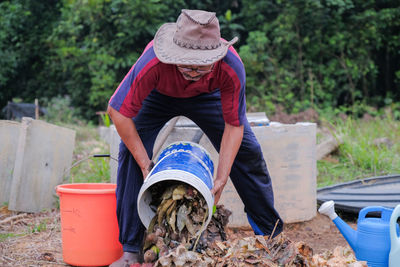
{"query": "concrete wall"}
[(290, 153), (9, 136), (43, 156)]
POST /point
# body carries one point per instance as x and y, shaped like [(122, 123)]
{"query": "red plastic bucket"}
[(89, 227)]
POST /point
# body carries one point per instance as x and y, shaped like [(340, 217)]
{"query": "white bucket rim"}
[(144, 210)]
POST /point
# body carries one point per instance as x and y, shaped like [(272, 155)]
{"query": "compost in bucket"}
[(180, 214)]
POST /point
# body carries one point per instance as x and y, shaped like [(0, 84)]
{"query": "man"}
[(188, 70)]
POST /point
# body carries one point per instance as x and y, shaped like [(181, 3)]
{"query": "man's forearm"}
[(231, 140), (230, 144), (129, 135)]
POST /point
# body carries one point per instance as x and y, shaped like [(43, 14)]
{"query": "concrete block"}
[(9, 135), (290, 153), (43, 158), (114, 140), (105, 133)]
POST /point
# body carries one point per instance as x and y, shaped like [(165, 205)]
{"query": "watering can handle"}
[(395, 240), (385, 212)]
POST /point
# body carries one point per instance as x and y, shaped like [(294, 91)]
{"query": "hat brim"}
[(170, 53)]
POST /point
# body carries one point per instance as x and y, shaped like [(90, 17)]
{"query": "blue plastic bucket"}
[(185, 162)]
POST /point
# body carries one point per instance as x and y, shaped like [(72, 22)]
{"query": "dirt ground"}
[(35, 239)]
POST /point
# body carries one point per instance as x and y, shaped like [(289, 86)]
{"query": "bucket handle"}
[(385, 212)]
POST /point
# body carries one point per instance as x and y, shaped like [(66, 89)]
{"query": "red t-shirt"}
[(149, 73)]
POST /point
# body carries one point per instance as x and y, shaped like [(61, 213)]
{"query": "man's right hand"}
[(127, 131)]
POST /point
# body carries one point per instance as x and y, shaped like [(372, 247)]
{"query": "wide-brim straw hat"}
[(194, 39)]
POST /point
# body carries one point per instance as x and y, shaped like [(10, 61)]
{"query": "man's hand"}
[(219, 185)]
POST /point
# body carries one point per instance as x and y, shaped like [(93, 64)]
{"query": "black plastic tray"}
[(355, 195)]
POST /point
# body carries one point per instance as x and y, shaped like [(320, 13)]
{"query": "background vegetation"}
[(334, 56), (330, 55)]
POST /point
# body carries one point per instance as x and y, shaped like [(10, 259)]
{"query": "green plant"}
[(229, 25), (105, 119), (4, 236), (37, 228)]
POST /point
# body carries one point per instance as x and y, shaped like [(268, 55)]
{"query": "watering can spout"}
[(328, 209)]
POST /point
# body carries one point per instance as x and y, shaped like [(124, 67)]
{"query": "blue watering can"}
[(371, 241)]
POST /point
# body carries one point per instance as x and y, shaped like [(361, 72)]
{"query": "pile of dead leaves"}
[(259, 251), (339, 257), (174, 238), (280, 251)]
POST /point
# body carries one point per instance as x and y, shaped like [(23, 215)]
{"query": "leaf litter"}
[(175, 238), (43, 248)]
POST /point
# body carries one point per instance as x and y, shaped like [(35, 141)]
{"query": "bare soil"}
[(281, 116), (35, 239)]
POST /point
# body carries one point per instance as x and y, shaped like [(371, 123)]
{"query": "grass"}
[(370, 148), (30, 228), (4, 236), (37, 228), (85, 167)]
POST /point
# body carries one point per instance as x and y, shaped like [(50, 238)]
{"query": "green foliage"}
[(60, 110), (328, 55), (13, 15), (106, 120), (96, 43), (24, 27), (319, 54), (230, 26)]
